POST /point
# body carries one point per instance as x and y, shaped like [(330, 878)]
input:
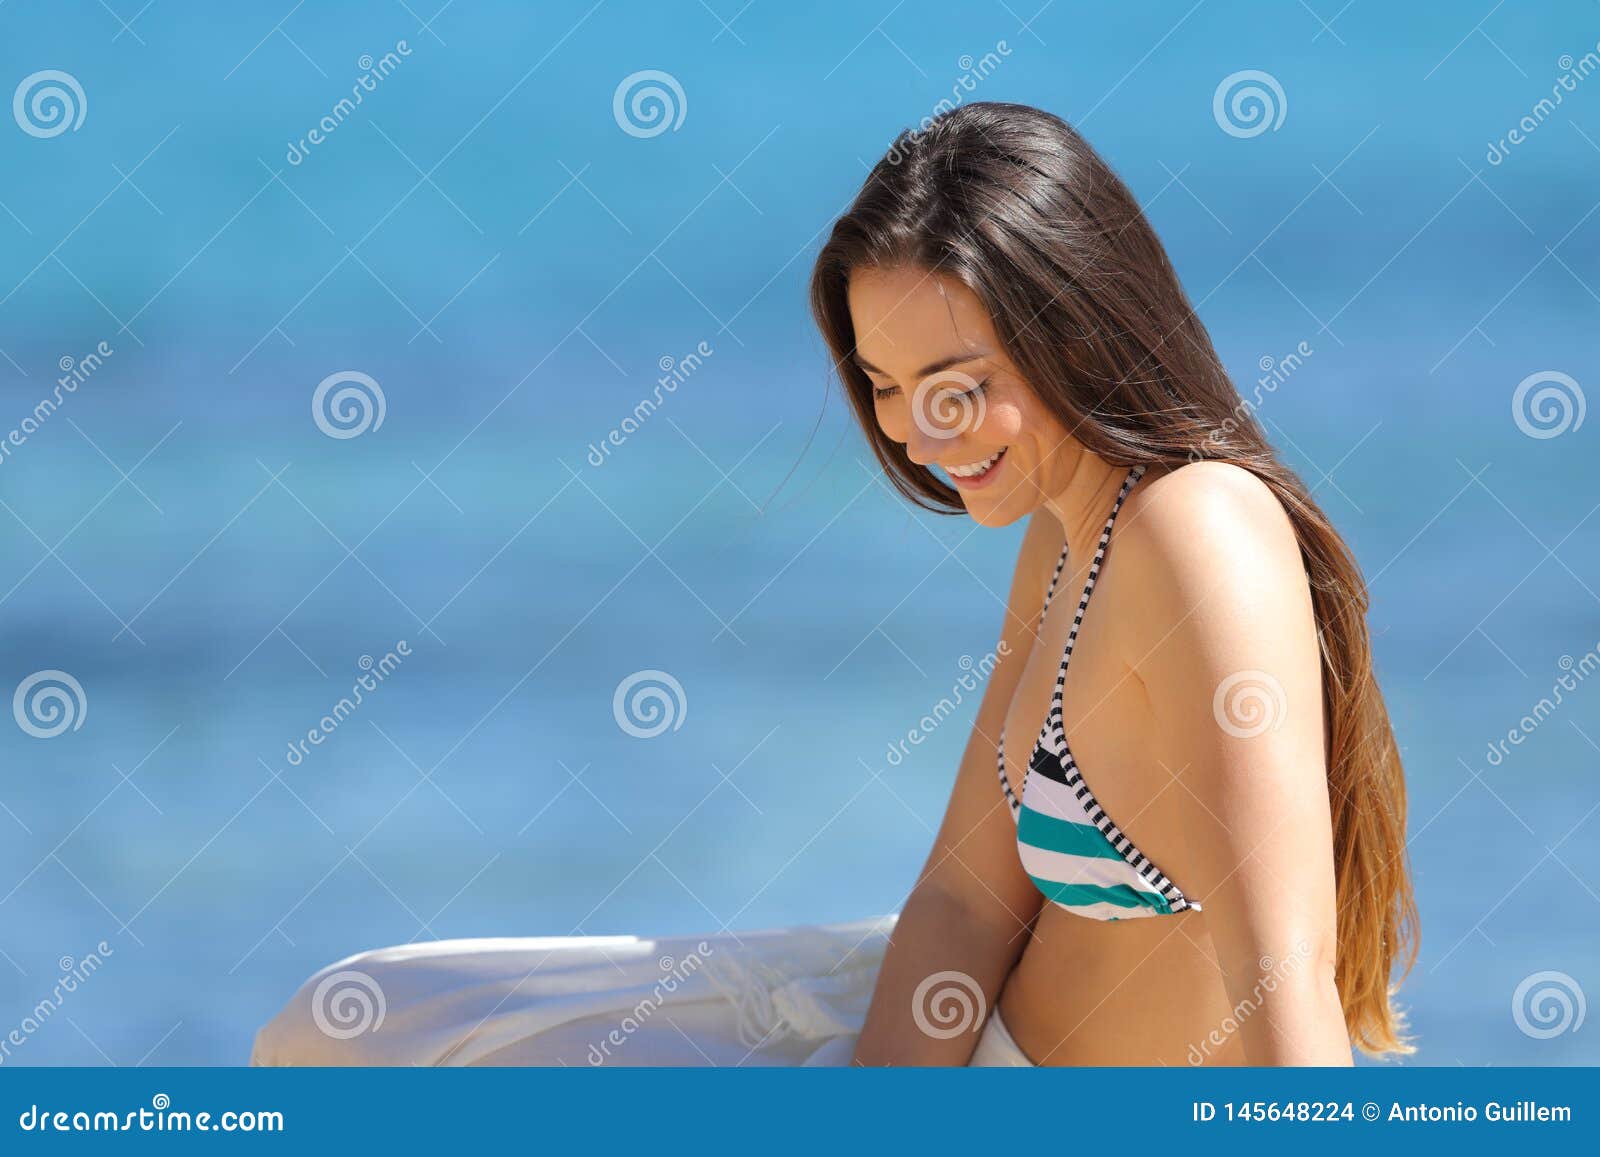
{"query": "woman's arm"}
[(1228, 654), (970, 911)]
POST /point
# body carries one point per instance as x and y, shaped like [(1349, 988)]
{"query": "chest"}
[(1105, 714)]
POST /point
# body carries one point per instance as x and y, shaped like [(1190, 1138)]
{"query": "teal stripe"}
[(1058, 835), (1076, 895)]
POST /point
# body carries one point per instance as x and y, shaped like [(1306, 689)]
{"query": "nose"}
[(922, 447), (939, 418)]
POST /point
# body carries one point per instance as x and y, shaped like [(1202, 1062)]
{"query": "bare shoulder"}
[(1208, 521), (1211, 540)]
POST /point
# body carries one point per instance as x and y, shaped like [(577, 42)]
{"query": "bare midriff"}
[(1125, 992)]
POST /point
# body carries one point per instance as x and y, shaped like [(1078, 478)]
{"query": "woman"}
[(1016, 345)]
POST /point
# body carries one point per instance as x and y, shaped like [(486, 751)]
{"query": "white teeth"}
[(975, 468)]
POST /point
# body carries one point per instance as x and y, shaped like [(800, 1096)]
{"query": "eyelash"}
[(880, 393)]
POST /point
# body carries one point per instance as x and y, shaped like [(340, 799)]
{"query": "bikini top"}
[(1069, 847)]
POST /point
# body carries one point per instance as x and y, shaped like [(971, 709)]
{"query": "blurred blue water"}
[(482, 238)]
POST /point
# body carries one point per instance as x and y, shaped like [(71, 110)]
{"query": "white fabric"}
[(787, 996), (996, 1049)]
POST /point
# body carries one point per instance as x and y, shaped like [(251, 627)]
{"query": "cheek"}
[(892, 420), (1003, 423)]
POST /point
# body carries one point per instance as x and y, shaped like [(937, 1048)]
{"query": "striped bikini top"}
[(1069, 847)]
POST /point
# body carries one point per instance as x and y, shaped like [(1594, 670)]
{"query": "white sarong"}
[(790, 996)]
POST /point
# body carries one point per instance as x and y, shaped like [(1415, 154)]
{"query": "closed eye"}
[(882, 392)]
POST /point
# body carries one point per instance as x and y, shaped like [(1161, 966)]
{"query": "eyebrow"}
[(931, 367)]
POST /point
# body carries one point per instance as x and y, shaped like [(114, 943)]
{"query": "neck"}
[(1082, 504)]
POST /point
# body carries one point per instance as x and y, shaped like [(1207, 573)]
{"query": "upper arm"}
[(974, 858), (1228, 653)]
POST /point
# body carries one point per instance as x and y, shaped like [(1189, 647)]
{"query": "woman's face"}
[(944, 389)]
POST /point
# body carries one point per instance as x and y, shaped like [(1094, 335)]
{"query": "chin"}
[(994, 515)]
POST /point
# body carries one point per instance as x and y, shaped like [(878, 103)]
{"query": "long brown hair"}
[(1013, 203)]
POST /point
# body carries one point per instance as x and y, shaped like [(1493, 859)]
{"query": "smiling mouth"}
[(974, 474)]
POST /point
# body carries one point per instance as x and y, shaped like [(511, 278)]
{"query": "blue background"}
[(483, 239)]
